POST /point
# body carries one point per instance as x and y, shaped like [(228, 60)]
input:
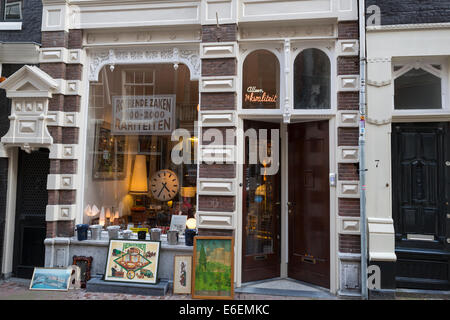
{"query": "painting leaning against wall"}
[(213, 268)]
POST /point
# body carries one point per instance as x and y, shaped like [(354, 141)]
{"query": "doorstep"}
[(285, 287), (99, 285)]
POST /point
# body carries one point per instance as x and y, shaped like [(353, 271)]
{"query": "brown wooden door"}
[(309, 203), (261, 215)]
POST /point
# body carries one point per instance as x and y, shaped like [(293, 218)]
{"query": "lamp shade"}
[(139, 182)]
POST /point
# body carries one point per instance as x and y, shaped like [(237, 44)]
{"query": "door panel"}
[(309, 203), (261, 214), (32, 199), (420, 186)]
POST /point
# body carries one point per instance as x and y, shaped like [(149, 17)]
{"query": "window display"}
[(133, 112)]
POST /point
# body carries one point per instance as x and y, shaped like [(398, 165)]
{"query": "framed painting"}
[(133, 261), (85, 268), (213, 268), (182, 274), (55, 279), (110, 157)]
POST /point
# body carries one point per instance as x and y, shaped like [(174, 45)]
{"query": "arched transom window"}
[(261, 81), (312, 70)]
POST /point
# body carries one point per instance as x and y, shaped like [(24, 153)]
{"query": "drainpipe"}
[(362, 141)]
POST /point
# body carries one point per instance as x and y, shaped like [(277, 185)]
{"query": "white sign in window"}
[(143, 115)]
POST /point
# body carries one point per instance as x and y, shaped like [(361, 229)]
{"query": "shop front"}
[(248, 132)]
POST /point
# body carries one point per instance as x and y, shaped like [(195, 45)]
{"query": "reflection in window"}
[(13, 10), (261, 81), (418, 89), (133, 111), (312, 72)]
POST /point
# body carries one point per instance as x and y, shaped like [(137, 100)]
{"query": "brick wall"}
[(63, 134), (31, 24), (412, 11)]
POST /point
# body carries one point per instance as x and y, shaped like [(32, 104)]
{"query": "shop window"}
[(312, 85), (13, 10), (130, 170), (418, 88), (261, 81)]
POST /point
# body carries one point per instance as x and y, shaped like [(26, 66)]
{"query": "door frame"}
[(10, 217), (334, 258)]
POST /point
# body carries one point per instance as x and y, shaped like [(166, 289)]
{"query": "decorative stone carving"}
[(188, 56), (29, 88)]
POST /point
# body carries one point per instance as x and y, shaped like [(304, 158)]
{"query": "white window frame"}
[(12, 4), (427, 65), (134, 84)]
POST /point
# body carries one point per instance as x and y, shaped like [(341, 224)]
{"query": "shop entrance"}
[(261, 212), (32, 199), (307, 231), (309, 203)]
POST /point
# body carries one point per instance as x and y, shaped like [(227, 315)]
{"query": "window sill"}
[(424, 115), (10, 26)]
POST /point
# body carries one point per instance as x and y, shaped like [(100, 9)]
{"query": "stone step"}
[(99, 285)]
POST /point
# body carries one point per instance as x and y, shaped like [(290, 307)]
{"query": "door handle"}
[(291, 203)]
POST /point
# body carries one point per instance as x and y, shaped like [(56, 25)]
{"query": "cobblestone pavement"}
[(17, 289)]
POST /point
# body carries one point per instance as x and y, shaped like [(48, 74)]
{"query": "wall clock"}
[(164, 185)]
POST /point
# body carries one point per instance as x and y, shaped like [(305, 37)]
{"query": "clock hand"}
[(161, 190)]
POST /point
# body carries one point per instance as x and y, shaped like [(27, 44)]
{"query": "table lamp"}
[(139, 183)]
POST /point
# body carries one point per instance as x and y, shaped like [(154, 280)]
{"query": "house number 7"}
[(377, 162)]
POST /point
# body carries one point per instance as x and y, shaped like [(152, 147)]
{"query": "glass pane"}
[(261, 195), (131, 171), (12, 10), (312, 80), (261, 81), (418, 89)]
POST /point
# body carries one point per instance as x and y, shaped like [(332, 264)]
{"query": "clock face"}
[(164, 185)]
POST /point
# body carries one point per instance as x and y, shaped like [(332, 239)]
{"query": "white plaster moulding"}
[(60, 212), (217, 119), (214, 186), (417, 26), (250, 10), (217, 154), (347, 118), (218, 84), (348, 189), (62, 181), (349, 225), (3, 152), (348, 154), (189, 56), (216, 220), (62, 119), (347, 48), (64, 151), (68, 56), (348, 83), (213, 50)]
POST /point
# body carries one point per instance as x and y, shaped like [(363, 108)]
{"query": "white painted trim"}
[(10, 217), (10, 26), (413, 26)]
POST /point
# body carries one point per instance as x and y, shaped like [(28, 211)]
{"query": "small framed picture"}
[(133, 261), (85, 268), (213, 268), (55, 279), (182, 274)]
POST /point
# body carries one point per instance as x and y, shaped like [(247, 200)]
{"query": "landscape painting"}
[(213, 268), (51, 279), (133, 261)]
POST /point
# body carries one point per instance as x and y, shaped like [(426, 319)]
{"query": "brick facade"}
[(31, 24), (412, 11), (63, 135)]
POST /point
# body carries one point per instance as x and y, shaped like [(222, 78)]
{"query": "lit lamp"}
[(190, 231), (101, 220), (139, 184)]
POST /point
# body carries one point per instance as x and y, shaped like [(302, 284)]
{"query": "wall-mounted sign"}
[(255, 95), (143, 114)]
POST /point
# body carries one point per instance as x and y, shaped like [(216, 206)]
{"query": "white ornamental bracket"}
[(30, 89)]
